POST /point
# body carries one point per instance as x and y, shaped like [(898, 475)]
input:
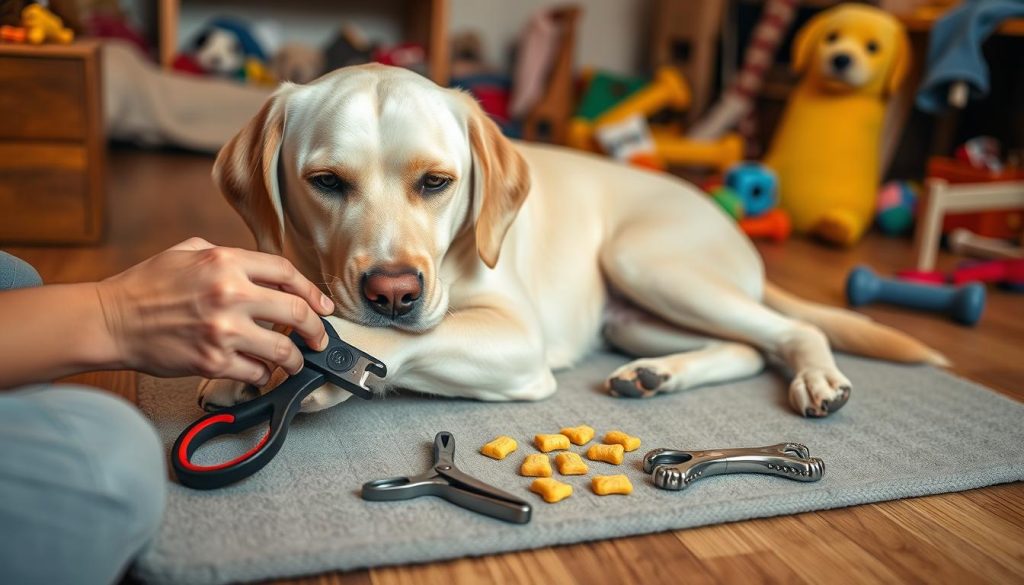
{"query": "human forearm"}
[(53, 331)]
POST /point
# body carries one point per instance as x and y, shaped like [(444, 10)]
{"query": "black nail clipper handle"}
[(277, 407)]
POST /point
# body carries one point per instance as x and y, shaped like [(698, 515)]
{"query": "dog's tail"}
[(853, 332)]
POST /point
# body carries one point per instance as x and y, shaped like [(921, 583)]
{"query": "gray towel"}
[(907, 431)]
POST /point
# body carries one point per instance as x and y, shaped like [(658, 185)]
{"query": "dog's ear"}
[(900, 64), (501, 180), (246, 173), (807, 40)]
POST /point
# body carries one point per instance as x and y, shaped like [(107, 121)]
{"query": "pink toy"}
[(1008, 272)]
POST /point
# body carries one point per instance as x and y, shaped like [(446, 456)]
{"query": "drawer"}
[(42, 98), (45, 193)]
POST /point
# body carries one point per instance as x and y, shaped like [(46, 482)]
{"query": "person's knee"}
[(124, 449), (16, 273)]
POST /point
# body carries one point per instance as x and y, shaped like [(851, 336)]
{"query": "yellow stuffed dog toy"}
[(827, 148)]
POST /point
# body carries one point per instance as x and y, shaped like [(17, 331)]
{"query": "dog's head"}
[(852, 48), (366, 179)]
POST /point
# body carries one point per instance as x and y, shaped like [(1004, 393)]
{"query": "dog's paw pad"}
[(636, 382), (217, 395)]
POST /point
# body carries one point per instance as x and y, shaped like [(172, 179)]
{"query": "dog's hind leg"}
[(642, 265)]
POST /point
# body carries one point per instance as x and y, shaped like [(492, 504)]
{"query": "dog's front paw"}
[(639, 379), (217, 394), (323, 397), (819, 392)]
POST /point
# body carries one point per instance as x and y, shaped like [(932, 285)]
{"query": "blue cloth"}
[(954, 50), (82, 480), (16, 273)]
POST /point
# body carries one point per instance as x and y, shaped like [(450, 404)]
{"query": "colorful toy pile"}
[(749, 193), (613, 117), (38, 26)]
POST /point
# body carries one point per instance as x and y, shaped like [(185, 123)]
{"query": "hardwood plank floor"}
[(158, 199)]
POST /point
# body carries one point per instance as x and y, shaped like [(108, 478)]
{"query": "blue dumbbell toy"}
[(963, 303), (756, 186)]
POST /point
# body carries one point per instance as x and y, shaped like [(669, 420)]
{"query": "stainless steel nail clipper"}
[(445, 480), (675, 470)]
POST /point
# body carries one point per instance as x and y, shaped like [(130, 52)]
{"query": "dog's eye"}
[(832, 37), (435, 183), (872, 47), (328, 182)]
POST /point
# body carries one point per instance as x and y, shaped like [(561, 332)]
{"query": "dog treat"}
[(551, 490), (607, 453), (548, 443), (628, 442), (570, 464), (604, 485), (500, 447), (580, 435), (536, 465)]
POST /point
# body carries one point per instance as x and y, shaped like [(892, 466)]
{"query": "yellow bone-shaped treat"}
[(547, 443), (580, 435), (570, 464), (604, 485), (628, 442), (607, 453), (500, 447), (551, 490), (536, 465)]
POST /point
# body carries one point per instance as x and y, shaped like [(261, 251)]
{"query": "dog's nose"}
[(393, 293), (841, 62)]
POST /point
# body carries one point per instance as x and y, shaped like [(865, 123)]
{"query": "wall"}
[(612, 33)]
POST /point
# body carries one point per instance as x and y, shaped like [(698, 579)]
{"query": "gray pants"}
[(82, 479)]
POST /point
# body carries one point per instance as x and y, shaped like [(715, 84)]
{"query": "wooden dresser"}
[(52, 147)]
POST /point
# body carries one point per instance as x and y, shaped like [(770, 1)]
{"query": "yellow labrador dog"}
[(474, 266)]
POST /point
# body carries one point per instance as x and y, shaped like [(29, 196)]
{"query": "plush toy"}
[(826, 151), (42, 25), (227, 48)]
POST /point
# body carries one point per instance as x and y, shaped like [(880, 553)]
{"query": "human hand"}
[(192, 309)]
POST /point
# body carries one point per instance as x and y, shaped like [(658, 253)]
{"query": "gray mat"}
[(907, 431)]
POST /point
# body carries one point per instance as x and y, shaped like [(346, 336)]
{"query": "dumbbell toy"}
[(967, 243), (756, 186), (774, 225), (719, 154), (668, 89), (963, 304)]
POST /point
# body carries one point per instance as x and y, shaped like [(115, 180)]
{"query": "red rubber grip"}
[(191, 434)]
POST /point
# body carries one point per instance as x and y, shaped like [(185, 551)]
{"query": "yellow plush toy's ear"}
[(900, 63), (807, 40)]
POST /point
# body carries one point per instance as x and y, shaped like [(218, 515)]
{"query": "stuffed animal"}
[(826, 151), (42, 25), (227, 48)]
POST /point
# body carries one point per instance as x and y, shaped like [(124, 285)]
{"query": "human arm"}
[(191, 309)]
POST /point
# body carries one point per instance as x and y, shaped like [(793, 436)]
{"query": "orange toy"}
[(43, 25), (773, 225), (13, 34)]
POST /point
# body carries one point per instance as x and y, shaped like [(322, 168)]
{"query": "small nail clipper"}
[(339, 363), (445, 480), (675, 470)]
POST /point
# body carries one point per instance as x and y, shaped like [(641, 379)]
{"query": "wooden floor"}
[(159, 199)]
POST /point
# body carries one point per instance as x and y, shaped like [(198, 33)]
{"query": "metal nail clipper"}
[(675, 470), (445, 480)]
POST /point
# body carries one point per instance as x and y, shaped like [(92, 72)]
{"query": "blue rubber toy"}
[(756, 186), (963, 304)]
